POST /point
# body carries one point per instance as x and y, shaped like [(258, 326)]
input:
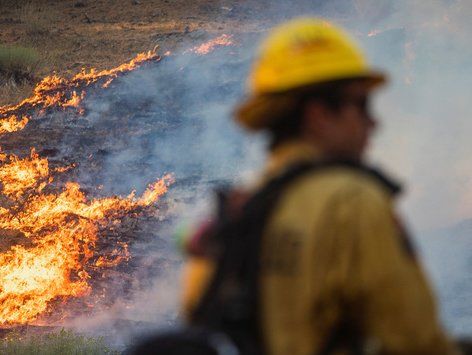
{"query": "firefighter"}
[(337, 271)]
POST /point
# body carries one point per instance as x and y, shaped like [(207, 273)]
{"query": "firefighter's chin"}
[(361, 152), (357, 153)]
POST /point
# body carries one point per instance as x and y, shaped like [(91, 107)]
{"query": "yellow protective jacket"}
[(333, 252)]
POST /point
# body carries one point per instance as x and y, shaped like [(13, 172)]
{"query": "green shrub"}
[(18, 62), (63, 342)]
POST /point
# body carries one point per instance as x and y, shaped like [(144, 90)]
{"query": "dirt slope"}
[(72, 34)]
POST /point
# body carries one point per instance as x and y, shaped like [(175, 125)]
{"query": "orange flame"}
[(13, 124), (18, 175), (116, 257), (61, 229), (205, 48), (56, 92), (48, 234)]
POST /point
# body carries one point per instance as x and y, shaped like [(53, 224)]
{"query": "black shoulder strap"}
[(310, 166)]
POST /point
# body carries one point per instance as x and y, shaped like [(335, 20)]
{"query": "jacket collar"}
[(287, 155)]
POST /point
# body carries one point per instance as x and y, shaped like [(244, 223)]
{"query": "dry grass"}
[(63, 342), (23, 64), (11, 92), (9, 3), (36, 19)]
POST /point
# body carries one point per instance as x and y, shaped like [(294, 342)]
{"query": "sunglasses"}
[(336, 99)]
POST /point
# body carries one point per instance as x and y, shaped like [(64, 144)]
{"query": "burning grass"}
[(49, 231), (55, 92), (62, 228), (222, 41)]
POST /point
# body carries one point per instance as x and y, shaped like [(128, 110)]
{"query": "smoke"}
[(424, 112), (175, 116), (178, 120), (147, 311), (424, 138)]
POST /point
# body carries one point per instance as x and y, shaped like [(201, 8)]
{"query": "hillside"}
[(74, 34)]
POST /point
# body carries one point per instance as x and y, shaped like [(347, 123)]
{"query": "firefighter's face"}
[(343, 131)]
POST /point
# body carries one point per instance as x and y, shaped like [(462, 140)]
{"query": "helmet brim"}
[(258, 111), (375, 79)]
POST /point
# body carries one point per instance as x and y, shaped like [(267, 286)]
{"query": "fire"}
[(117, 256), (49, 231), (17, 176), (205, 48), (12, 123), (57, 92), (58, 232)]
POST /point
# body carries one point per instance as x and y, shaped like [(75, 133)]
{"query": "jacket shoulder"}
[(347, 181)]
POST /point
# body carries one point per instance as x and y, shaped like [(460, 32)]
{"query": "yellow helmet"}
[(304, 52)]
